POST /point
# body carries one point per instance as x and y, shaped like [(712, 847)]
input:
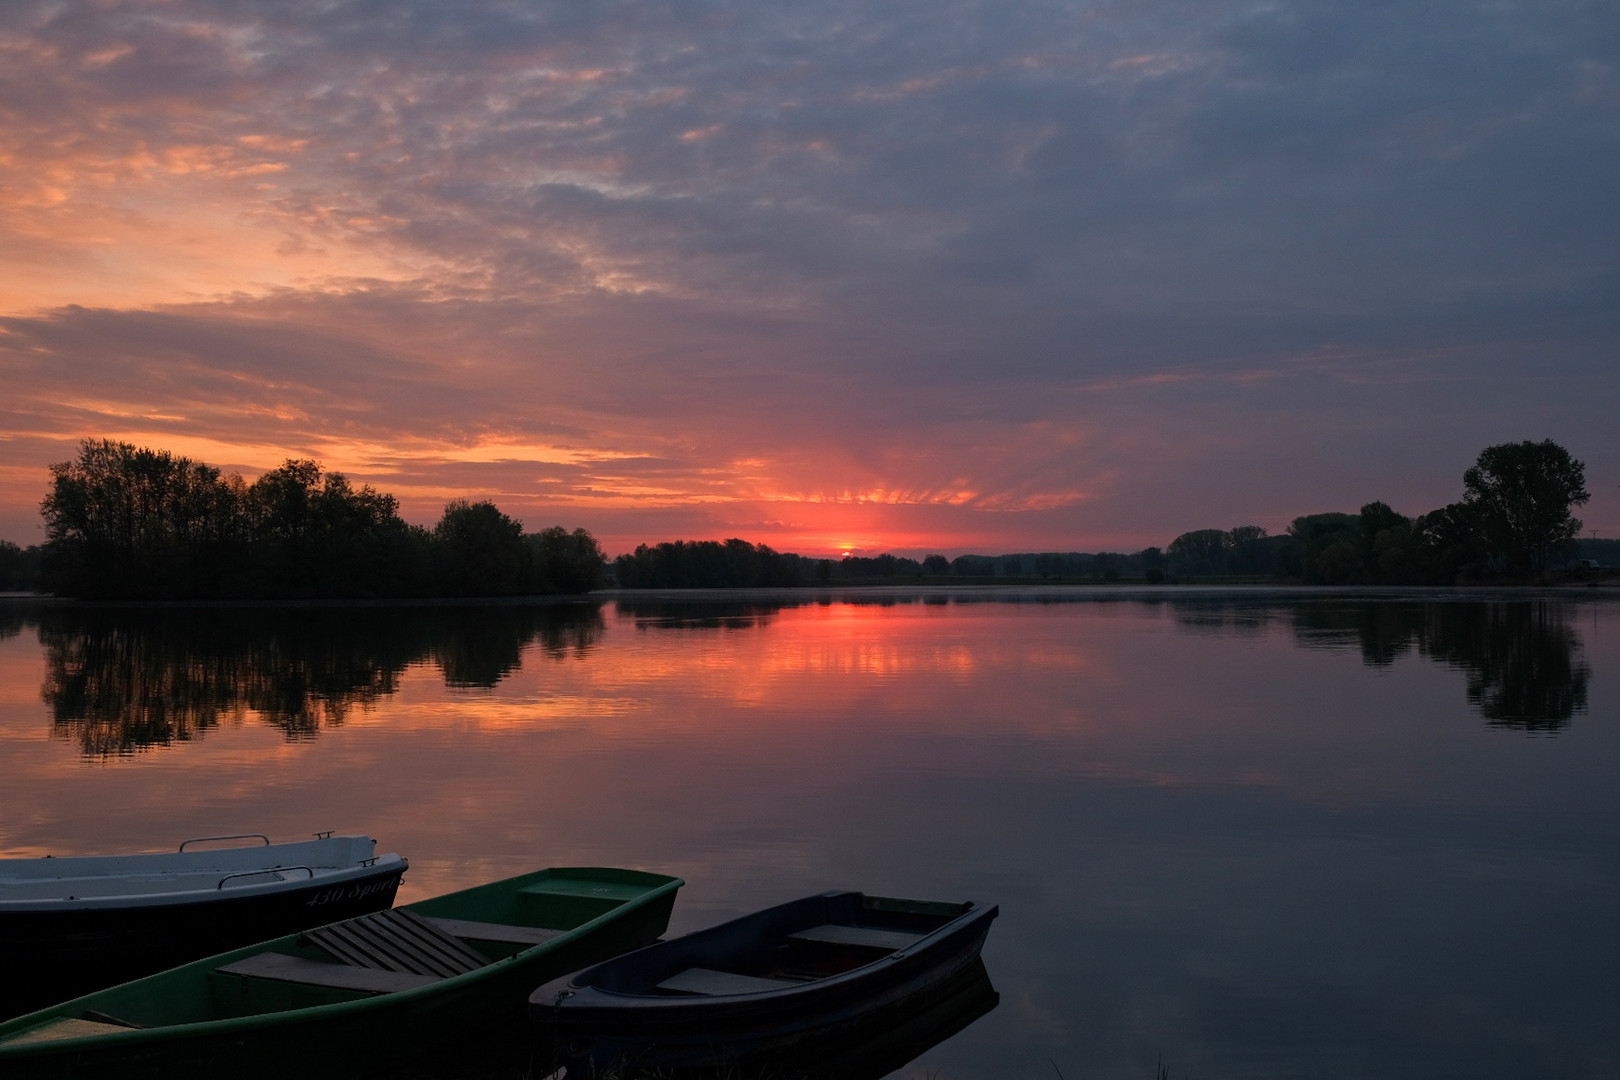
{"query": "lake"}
[(1241, 833)]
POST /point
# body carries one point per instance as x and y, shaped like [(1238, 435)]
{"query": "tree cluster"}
[(126, 522), (132, 523), (1069, 565), (1513, 519), (709, 564), (878, 566), (19, 567)]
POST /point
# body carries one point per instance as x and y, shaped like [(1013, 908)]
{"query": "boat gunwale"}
[(107, 862), (177, 879), (322, 877)]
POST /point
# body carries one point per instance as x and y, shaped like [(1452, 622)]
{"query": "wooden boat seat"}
[(65, 1027), (864, 936), (504, 933), (296, 969), (397, 940), (707, 981)]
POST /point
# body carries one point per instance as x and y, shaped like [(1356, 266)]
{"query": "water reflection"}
[(711, 615), (122, 680), (893, 1039), (1522, 661), (1220, 829), (898, 1038)]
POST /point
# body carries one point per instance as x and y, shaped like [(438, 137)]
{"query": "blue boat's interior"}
[(813, 938)]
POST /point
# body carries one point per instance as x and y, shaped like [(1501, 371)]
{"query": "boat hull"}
[(316, 1030), (608, 1017), (883, 1043), (60, 948), (62, 954)]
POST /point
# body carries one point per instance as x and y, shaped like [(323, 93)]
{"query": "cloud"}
[(863, 257)]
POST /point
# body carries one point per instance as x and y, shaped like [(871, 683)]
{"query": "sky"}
[(911, 276)]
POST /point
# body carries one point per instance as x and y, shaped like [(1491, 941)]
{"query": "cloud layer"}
[(921, 276)]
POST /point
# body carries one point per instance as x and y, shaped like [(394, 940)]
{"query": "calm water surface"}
[(1258, 834)]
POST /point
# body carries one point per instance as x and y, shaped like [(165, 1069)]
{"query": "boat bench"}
[(397, 940), (864, 936), (504, 933), (284, 968), (65, 1027), (388, 951), (707, 981)]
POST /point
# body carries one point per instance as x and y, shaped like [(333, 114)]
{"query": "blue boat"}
[(762, 987)]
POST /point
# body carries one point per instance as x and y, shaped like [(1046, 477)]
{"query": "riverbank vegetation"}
[(128, 523), (1513, 523)]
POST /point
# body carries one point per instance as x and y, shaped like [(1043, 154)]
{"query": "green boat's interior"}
[(486, 924)]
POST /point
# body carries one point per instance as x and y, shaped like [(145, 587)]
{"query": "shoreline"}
[(1011, 590)]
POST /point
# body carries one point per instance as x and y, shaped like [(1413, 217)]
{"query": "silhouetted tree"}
[(566, 562), (315, 534), (936, 565), (480, 551), (1326, 549), (1253, 553), (19, 566), (886, 565), (126, 521), (1391, 552), (1521, 494), (708, 564), (1202, 551)]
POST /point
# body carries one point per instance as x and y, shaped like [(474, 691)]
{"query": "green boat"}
[(352, 996)]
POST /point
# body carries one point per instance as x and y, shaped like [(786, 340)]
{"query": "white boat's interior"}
[(164, 875)]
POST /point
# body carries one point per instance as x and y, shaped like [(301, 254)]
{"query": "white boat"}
[(80, 922)]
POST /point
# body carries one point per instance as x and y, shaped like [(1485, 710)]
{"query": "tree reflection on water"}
[(120, 680), (123, 680), (1522, 660), (713, 615), (1523, 664)]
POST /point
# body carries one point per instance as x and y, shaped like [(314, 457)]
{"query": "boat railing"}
[(238, 836), (266, 870)]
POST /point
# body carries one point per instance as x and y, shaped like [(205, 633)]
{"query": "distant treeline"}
[(734, 563), (710, 564), (129, 523), (1514, 519)]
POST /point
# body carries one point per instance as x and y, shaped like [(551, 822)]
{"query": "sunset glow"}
[(831, 279)]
